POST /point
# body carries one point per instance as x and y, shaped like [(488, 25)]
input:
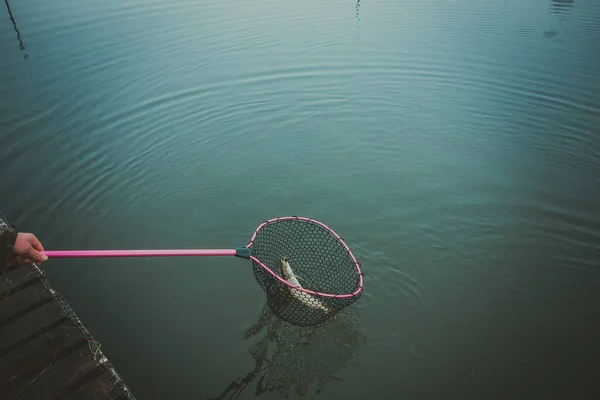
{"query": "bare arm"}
[(22, 248)]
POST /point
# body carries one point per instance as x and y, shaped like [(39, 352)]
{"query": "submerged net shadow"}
[(320, 261), (298, 360)]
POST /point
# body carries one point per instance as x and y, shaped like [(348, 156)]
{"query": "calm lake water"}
[(455, 145)]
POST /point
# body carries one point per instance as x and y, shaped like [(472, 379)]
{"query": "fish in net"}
[(306, 270)]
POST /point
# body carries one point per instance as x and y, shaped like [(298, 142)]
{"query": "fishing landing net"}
[(305, 268), (329, 276)]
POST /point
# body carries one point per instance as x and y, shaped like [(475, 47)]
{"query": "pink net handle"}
[(138, 253)]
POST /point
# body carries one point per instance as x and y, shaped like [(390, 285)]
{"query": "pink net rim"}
[(355, 262)]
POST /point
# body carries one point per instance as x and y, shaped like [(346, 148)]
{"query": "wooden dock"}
[(45, 350)]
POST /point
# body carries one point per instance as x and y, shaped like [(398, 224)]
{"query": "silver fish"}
[(305, 298)]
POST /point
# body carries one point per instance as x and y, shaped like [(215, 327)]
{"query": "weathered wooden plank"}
[(33, 336), (38, 349), (12, 318), (22, 285), (20, 328), (85, 387), (23, 375), (99, 386), (11, 273), (15, 302), (11, 277), (50, 377), (12, 266)]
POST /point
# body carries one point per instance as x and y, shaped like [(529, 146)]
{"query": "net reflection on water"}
[(289, 357)]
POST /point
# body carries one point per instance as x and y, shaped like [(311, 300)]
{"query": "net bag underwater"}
[(306, 269)]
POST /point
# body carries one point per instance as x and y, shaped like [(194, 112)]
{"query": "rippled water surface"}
[(455, 145)]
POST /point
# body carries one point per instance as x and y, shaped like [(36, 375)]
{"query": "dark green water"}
[(455, 145)]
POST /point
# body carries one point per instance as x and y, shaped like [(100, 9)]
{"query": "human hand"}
[(27, 249)]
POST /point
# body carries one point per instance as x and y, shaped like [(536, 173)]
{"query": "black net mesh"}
[(318, 259)]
